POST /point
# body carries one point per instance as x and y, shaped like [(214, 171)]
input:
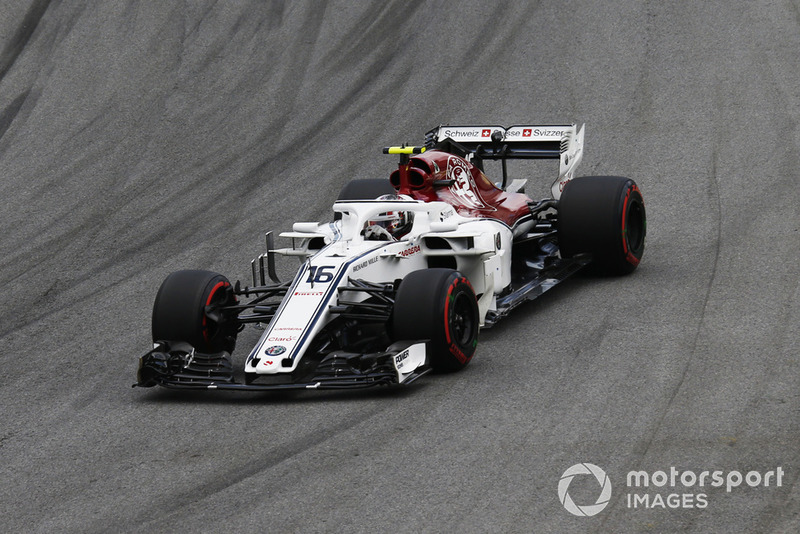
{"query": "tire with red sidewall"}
[(439, 305), (187, 309), (603, 216)]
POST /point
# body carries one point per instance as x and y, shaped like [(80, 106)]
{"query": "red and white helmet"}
[(397, 223)]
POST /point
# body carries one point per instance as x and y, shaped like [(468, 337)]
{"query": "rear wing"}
[(478, 143)]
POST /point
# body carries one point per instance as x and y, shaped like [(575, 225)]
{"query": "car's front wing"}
[(179, 366)]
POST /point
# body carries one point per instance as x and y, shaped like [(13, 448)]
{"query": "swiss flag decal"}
[(486, 133), (526, 132)]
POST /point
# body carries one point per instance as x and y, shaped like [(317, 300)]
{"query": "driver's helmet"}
[(396, 223)]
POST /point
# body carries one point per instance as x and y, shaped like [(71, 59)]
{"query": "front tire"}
[(188, 308), (439, 305), (603, 216)]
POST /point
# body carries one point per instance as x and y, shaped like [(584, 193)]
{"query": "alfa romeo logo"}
[(590, 509), (462, 188)]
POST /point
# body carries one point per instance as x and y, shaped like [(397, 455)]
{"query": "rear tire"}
[(367, 189), (603, 216), (187, 308), (439, 305)]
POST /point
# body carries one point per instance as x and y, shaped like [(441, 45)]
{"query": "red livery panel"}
[(439, 176)]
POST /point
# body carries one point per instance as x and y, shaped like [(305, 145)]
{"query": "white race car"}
[(406, 274)]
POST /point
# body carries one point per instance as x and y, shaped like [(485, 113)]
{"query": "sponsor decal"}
[(517, 133), (463, 187), (455, 134), (398, 360), (365, 263), (446, 214), (409, 359), (275, 350), (533, 132), (549, 133), (282, 338), (409, 251), (309, 293)]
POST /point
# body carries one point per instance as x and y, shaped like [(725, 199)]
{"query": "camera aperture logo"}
[(685, 489), (589, 509)]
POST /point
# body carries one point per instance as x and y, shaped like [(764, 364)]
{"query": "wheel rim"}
[(635, 227), (211, 315), (462, 321)]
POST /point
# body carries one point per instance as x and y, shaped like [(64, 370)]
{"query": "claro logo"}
[(589, 509)]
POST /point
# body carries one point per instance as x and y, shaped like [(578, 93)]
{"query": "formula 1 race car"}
[(409, 270)]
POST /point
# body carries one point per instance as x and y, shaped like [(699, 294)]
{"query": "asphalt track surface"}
[(138, 138)]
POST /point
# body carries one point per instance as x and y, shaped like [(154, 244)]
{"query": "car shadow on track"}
[(169, 396), (540, 305)]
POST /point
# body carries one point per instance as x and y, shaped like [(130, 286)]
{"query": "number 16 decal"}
[(320, 274)]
